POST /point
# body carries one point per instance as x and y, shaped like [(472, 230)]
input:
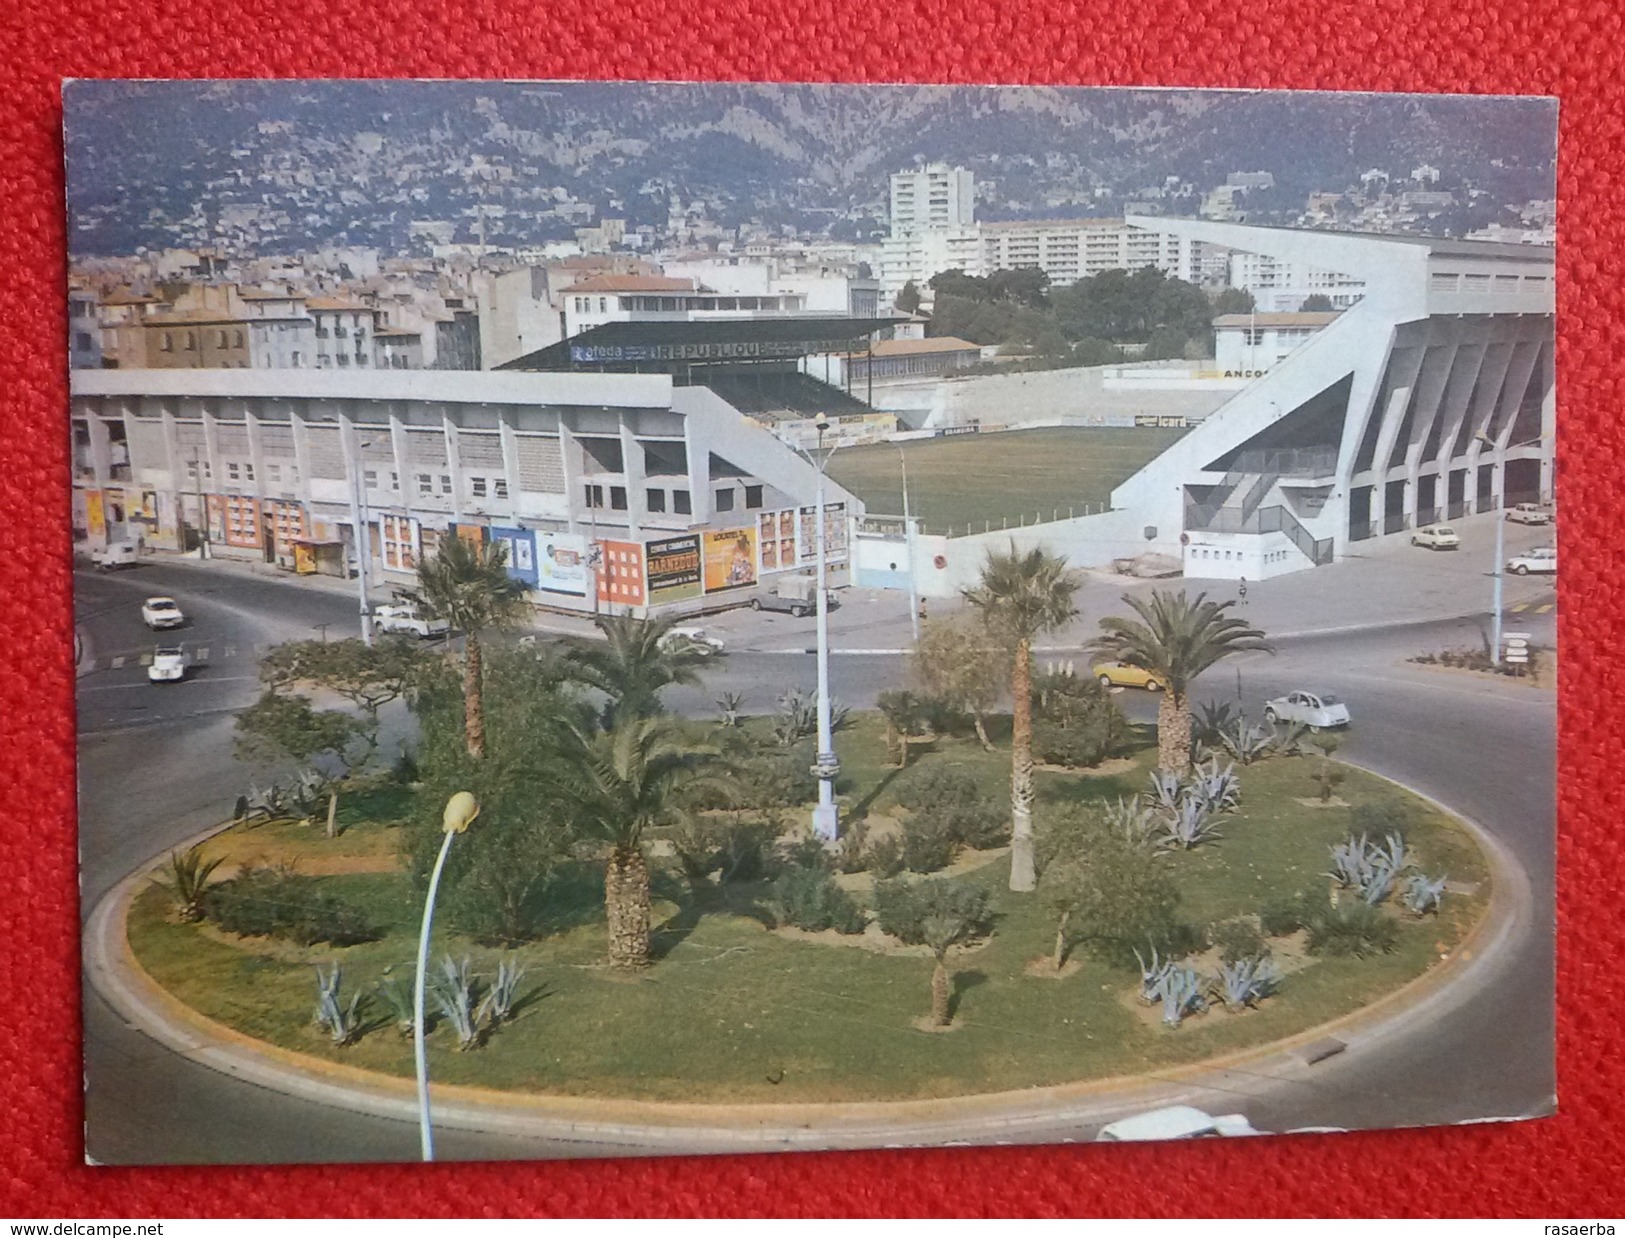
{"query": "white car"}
[(1540, 559), (405, 621), (696, 638), (168, 665), (1436, 537), (159, 613), (1528, 513), (1316, 711), (1175, 1122)]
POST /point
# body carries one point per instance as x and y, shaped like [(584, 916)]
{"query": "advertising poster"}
[(561, 564), (730, 559), (521, 547), (620, 573), (672, 568), (95, 521), (834, 534)]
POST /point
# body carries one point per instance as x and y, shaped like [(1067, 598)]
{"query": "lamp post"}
[(202, 511), (1500, 544), (825, 818), (908, 539), (461, 809), (363, 539)]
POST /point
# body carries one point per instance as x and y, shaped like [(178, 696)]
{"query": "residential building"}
[(1283, 286), (933, 197), (1249, 344)]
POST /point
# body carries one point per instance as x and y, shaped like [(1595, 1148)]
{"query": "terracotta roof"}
[(337, 303), (259, 294), (195, 318), (631, 283), (1283, 319), (937, 343), (128, 298), (385, 333)]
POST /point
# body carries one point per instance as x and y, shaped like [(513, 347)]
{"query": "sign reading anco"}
[(589, 353)]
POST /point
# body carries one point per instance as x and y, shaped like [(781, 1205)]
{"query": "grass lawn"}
[(964, 481), (734, 1012)]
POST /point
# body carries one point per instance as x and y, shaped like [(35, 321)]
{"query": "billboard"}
[(776, 538), (620, 573), (834, 534), (730, 559), (672, 568), (561, 564), (521, 547)]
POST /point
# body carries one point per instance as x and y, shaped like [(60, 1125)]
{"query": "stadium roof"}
[(703, 340)]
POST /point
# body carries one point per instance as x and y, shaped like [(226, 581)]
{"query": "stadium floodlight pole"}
[(461, 809), (908, 541)]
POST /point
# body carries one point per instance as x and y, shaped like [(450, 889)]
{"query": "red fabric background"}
[(1566, 1166)]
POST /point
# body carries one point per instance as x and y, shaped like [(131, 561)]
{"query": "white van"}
[(117, 555), (1174, 1122)]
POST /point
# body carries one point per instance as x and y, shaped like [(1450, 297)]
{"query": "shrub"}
[(267, 902), (850, 854), (736, 850), (809, 851), (188, 881), (905, 908), (1075, 720), (1351, 929), (958, 802), (809, 898), (1281, 916), (1237, 940), (884, 856), (1379, 818), (775, 778), (1112, 897), (928, 844)]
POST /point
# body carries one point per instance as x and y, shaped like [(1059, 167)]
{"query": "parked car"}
[(1122, 675), (796, 594), (159, 613), (406, 621), (1540, 559), (1436, 537), (1528, 513), (697, 638), (1317, 711), (119, 554), (1175, 1122), (169, 665)]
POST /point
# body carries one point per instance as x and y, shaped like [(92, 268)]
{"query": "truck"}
[(796, 594)]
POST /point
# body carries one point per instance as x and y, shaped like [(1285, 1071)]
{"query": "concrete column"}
[(508, 435), (633, 468), (699, 472), (454, 465), (574, 497)]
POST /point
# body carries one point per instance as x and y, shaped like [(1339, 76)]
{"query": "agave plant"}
[(308, 795), (497, 1006), (1180, 990), (1166, 788), (1242, 983), (1247, 743), (730, 703), (1370, 869), (453, 991), (1151, 975), (396, 992), (1189, 825), (1287, 740), (1422, 894), (1350, 863), (1134, 819), (1212, 720), (185, 879), (332, 1016), (1220, 788)]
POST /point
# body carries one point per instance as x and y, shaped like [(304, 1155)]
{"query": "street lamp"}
[(1500, 544), (908, 538), (363, 538), (825, 819), (461, 809)]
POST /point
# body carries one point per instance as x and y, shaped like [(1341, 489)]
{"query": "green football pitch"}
[(972, 481)]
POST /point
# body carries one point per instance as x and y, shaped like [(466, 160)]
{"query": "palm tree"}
[(1177, 639), (636, 660), (1020, 597), (468, 586), (624, 781)]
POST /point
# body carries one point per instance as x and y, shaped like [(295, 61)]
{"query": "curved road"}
[(156, 767)]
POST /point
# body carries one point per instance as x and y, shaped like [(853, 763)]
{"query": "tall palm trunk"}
[(473, 699), (981, 731), (626, 902), (1022, 876), (940, 990), (1174, 732)]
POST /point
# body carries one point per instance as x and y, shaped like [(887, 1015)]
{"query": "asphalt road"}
[(156, 767)]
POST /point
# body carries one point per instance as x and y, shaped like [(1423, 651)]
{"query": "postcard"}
[(634, 618)]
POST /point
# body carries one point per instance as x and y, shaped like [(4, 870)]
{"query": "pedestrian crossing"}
[(202, 655), (1531, 608)]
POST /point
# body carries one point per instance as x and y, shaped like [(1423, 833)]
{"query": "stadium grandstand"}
[(752, 363)]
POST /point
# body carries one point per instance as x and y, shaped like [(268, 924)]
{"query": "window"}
[(191, 341), (595, 496), (231, 471), (236, 339), (344, 359), (370, 476), (248, 472), (476, 486), (273, 472), (340, 333), (753, 497), (655, 500), (81, 340), (298, 359), (425, 483), (499, 487), (223, 338), (398, 362), (617, 498), (445, 483), (603, 305), (168, 344), (680, 503), (394, 481), (725, 500)]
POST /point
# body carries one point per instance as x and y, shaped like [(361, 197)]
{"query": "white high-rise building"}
[(935, 196)]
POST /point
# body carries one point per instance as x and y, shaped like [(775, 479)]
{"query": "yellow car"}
[(1122, 675)]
